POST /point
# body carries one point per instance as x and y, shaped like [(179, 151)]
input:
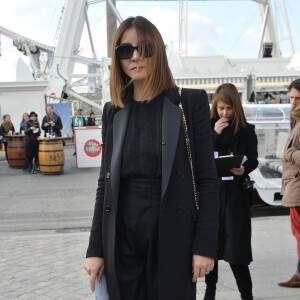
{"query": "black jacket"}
[(234, 244), (90, 122), (245, 144), (56, 128), (181, 232), (31, 142)]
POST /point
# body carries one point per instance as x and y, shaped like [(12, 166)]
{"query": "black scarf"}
[(227, 140)]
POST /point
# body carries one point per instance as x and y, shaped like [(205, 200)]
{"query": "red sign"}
[(92, 148)]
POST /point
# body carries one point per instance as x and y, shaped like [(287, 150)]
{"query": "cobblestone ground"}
[(47, 266)]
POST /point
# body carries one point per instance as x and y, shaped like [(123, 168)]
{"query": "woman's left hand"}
[(238, 171), (202, 265)]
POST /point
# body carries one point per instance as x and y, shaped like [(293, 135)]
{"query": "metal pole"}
[(263, 29), (288, 27), (90, 33), (111, 26), (112, 4)]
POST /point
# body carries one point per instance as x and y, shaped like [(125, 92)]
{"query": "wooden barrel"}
[(51, 155), (16, 151)]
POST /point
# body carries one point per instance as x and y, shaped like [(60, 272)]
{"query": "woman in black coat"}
[(32, 132), (91, 121), (147, 232), (6, 128), (233, 135)]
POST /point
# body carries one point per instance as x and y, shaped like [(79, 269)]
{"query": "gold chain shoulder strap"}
[(188, 147)]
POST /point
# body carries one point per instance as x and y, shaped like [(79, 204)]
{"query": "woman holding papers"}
[(32, 132), (232, 135), (150, 235)]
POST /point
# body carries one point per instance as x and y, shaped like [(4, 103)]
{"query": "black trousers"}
[(242, 276), (5, 149), (137, 239)]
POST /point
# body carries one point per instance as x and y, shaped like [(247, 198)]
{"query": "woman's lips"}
[(137, 68)]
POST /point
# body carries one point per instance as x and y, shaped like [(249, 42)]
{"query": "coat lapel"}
[(119, 130), (171, 120)]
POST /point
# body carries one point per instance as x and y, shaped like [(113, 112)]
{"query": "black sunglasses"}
[(125, 51)]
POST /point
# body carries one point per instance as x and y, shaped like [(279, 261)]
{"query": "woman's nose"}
[(135, 55)]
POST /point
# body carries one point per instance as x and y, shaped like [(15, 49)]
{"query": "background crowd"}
[(30, 127)]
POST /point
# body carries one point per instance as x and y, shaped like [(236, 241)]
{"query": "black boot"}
[(209, 295), (37, 168), (243, 280), (32, 170), (211, 283)]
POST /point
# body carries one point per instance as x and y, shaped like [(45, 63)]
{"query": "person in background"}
[(91, 120), (6, 128), (151, 235), (24, 120), (32, 132), (290, 187), (78, 112), (81, 113), (232, 135), (51, 123)]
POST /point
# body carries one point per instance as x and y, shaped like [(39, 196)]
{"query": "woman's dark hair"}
[(4, 116), (92, 113), (33, 114), (294, 85), (161, 77), (229, 94)]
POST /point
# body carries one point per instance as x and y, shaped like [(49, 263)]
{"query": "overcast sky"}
[(229, 28)]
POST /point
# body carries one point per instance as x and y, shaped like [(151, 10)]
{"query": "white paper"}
[(101, 291), (228, 178), (36, 130)]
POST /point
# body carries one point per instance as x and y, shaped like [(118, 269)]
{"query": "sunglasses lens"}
[(146, 49), (124, 51)]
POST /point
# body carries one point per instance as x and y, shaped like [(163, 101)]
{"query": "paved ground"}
[(44, 223)]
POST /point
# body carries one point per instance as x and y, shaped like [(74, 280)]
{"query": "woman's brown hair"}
[(229, 94), (161, 77)]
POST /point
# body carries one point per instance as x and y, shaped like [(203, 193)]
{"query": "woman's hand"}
[(32, 128), (202, 265), (238, 171), (220, 125), (95, 267)]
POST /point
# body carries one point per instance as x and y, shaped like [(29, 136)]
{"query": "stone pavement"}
[(43, 240), (48, 264)]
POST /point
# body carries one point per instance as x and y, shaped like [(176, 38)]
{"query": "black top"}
[(56, 128), (226, 141), (244, 142), (90, 122), (141, 157)]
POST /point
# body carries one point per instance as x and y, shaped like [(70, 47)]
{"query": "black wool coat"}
[(234, 244), (31, 141), (181, 231), (56, 128)]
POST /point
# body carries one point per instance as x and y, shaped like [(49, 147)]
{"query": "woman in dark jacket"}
[(32, 132), (233, 135), (6, 128), (152, 238), (91, 121)]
